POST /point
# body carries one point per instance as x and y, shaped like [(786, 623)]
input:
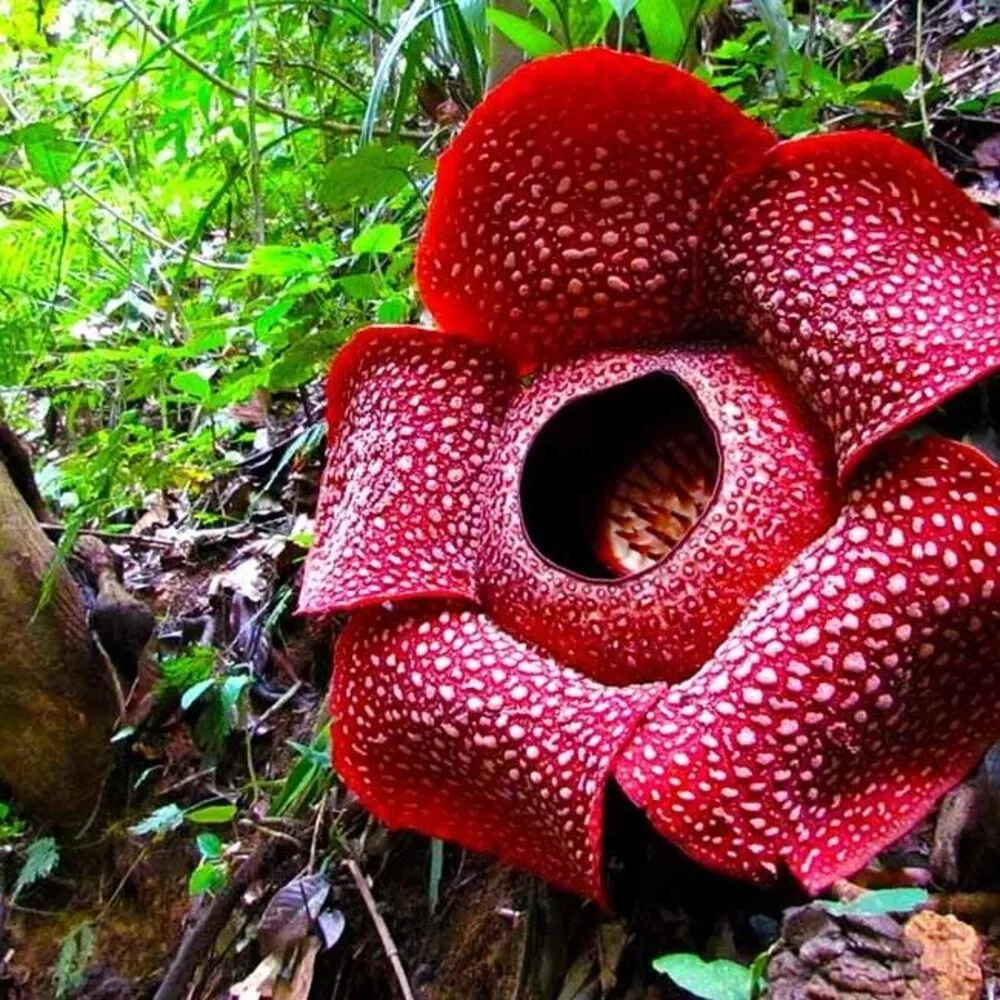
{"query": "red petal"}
[(775, 494), (858, 687), (868, 277), (446, 725), (564, 214), (411, 416)]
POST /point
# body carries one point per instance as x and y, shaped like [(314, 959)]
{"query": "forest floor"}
[(222, 780)]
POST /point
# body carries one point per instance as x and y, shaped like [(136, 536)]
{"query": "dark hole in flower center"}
[(615, 480)]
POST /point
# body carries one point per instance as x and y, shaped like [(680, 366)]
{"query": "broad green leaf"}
[(664, 27), (161, 821), (374, 172), (209, 846), (212, 814), (193, 693), (191, 384), (383, 237), (40, 861), (979, 38), (392, 310), (525, 35), (881, 901), (718, 980), (209, 876), (232, 688), (290, 261), (50, 155)]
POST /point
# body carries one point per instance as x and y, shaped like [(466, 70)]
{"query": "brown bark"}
[(57, 709)]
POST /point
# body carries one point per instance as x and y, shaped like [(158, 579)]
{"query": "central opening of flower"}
[(615, 480)]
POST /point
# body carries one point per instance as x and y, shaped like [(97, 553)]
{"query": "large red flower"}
[(680, 555)]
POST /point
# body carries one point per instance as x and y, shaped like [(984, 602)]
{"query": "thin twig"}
[(113, 679), (256, 193), (314, 844), (110, 536), (918, 58), (199, 940), (219, 265), (340, 128), (388, 945)]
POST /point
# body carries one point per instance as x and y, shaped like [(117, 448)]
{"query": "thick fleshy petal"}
[(858, 688), (870, 279), (565, 214), (411, 415), (444, 724), (775, 493)]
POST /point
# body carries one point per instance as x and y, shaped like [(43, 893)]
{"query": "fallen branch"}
[(388, 945), (198, 941)]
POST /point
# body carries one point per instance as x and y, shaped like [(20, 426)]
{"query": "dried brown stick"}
[(388, 945), (199, 940)]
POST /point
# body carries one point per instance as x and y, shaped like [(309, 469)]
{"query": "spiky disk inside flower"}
[(546, 486)]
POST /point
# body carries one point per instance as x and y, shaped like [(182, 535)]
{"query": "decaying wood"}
[(56, 708)]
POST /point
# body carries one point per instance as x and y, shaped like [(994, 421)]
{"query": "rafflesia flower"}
[(631, 513)]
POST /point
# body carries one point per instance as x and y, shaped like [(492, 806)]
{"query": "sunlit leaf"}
[(718, 980), (212, 814), (381, 238), (525, 35)]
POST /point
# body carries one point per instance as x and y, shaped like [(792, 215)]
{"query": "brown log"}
[(57, 709)]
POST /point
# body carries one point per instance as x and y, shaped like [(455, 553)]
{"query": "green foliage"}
[(212, 871), (718, 980), (725, 980), (308, 778), (75, 954), (881, 901), (40, 861), (160, 822), (11, 828)]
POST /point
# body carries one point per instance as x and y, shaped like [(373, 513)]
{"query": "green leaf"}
[(209, 876), (232, 688), (392, 310), (718, 980), (290, 261), (979, 38), (664, 27), (381, 238), (75, 953), (881, 901), (40, 861), (373, 173), (209, 846), (191, 384), (525, 35), (160, 822), (193, 693), (890, 85), (50, 155), (213, 814)]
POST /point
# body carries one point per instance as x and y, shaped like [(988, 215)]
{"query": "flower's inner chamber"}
[(615, 479)]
